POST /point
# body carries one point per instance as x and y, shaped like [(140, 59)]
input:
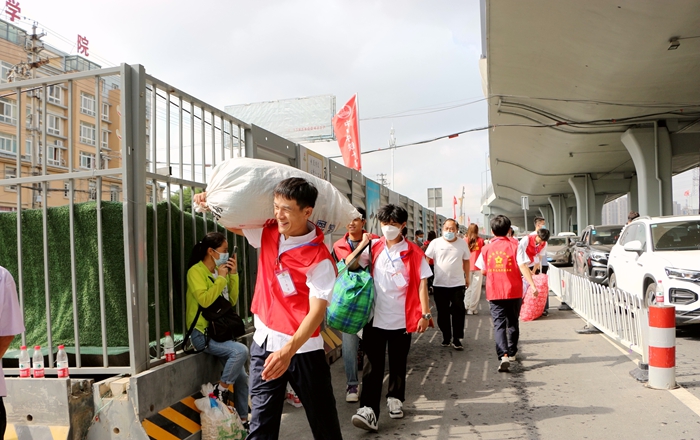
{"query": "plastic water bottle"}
[(169, 347), (38, 363), (659, 293), (62, 362), (25, 365)]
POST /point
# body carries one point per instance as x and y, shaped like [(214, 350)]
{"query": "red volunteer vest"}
[(277, 311), (503, 280), (532, 248), (341, 248), (474, 254), (412, 259)]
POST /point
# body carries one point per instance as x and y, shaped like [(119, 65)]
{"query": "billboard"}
[(373, 201), (297, 119)]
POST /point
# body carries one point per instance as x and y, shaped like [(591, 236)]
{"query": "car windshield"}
[(605, 235), (676, 236), (558, 241)]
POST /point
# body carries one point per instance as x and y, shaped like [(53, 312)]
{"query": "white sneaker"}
[(365, 419), (352, 395), (504, 365), (395, 407)]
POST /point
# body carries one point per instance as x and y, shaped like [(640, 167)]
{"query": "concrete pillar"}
[(546, 213), (585, 201), (573, 224), (560, 222), (651, 153), (633, 196)]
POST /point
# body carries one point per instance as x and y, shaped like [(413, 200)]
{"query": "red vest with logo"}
[(503, 280), (412, 259), (474, 253), (277, 311), (341, 248), (533, 248)]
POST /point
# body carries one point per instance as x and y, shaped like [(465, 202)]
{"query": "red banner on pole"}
[(454, 207), (347, 130)]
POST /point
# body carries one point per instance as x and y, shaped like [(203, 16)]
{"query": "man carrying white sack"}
[(295, 282)]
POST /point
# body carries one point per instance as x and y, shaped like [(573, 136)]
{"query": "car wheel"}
[(650, 294), (612, 282)]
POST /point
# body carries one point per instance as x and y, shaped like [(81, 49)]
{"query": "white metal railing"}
[(621, 315)]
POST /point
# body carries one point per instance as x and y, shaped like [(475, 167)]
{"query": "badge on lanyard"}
[(284, 278), (399, 279)]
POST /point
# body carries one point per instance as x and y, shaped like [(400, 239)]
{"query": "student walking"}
[(504, 289), (476, 278), (401, 307), (451, 257)]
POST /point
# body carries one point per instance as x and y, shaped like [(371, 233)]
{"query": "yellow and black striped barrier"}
[(176, 422)]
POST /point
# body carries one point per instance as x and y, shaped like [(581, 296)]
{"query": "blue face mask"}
[(223, 258), (449, 236)]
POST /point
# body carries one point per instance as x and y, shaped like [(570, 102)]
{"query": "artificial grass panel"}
[(87, 271)]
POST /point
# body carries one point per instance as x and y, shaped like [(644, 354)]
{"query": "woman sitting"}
[(212, 274)]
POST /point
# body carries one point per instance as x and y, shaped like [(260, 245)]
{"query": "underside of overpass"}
[(587, 103)]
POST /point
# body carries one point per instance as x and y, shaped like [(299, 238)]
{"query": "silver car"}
[(559, 250)]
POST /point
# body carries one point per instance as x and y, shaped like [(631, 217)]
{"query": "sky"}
[(397, 56)]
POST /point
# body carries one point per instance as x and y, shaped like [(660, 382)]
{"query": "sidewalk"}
[(566, 386)]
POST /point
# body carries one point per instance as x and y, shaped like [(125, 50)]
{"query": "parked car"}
[(559, 250), (590, 254), (661, 248)]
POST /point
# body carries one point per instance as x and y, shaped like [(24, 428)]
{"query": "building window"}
[(92, 190), (87, 133), (87, 160), (53, 125), (55, 155), (28, 147), (10, 173), (105, 139), (4, 71), (105, 111), (114, 193), (7, 111), (8, 143), (87, 104), (55, 94)]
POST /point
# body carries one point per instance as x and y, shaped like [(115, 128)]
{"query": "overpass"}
[(589, 101)]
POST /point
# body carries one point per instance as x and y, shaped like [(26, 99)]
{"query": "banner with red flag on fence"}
[(346, 124)]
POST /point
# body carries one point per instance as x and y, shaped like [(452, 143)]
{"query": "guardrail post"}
[(662, 347)]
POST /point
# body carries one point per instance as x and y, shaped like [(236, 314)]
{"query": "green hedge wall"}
[(87, 280)]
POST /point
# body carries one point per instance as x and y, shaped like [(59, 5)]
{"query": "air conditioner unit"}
[(38, 199)]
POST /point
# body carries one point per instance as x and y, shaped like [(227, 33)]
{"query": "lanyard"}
[(386, 249), (277, 263)]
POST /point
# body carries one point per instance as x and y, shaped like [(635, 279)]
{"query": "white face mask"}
[(390, 232)]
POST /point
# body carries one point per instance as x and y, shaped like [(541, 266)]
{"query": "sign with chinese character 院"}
[(83, 45)]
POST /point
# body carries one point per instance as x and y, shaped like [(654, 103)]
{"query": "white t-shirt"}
[(11, 321), (320, 278), (448, 257), (522, 252), (389, 299)]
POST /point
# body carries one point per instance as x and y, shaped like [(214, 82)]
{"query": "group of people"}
[(295, 281)]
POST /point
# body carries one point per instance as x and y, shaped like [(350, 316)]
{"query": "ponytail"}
[(211, 240)]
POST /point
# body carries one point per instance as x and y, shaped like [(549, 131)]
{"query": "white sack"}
[(239, 195)]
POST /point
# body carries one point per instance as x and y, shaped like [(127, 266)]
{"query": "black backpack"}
[(224, 323)]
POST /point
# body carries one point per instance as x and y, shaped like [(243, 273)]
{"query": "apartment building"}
[(91, 119)]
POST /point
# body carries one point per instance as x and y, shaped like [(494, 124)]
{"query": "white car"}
[(665, 249)]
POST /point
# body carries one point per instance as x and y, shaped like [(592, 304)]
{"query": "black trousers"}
[(310, 377), (506, 329), (3, 419), (375, 342), (449, 302)]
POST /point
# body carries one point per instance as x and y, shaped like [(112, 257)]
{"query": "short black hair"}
[(451, 220), (363, 213), (539, 219), (300, 190), (543, 234), (500, 225), (392, 213), (419, 232), (432, 235), (632, 215)]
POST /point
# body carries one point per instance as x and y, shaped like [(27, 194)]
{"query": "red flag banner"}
[(687, 193), (454, 207), (347, 130)]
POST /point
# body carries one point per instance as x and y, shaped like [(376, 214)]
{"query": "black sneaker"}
[(457, 345), (223, 395), (445, 343)]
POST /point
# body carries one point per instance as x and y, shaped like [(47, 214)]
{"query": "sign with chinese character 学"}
[(347, 130), (12, 9), (83, 45)]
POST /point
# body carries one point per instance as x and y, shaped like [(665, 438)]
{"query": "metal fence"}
[(622, 316), (119, 139)]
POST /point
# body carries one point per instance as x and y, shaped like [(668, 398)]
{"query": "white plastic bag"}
[(218, 420), (239, 195)]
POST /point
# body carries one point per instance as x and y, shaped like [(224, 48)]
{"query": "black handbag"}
[(224, 322)]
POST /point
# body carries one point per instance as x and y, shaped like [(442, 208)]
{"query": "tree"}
[(186, 198)]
